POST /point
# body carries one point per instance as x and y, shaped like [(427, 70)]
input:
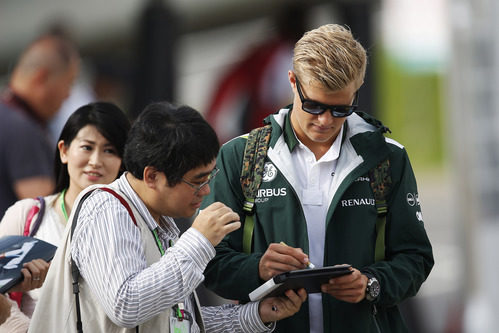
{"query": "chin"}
[(321, 138), (191, 213), (181, 215)]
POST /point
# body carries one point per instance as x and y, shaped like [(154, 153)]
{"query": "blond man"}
[(317, 197)]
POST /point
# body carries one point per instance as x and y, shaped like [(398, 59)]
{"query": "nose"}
[(95, 159), (66, 95), (205, 190), (326, 118)]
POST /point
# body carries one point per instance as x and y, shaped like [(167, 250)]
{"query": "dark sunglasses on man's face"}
[(317, 108)]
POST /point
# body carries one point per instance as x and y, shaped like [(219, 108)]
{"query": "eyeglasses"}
[(200, 186), (317, 108)]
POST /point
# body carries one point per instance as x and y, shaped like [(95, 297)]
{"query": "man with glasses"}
[(135, 271), (317, 198)]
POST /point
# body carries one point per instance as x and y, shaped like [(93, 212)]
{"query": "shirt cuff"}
[(197, 247), (250, 319)]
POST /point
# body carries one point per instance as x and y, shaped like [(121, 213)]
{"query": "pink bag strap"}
[(36, 209)]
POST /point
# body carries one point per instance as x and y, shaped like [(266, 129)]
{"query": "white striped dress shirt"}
[(107, 249)]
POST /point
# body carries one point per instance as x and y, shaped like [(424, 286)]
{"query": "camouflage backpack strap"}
[(251, 177), (373, 121), (381, 182)]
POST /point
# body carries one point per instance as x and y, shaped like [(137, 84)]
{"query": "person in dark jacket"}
[(317, 197), (39, 84)]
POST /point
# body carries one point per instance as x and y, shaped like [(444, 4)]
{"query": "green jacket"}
[(350, 226)]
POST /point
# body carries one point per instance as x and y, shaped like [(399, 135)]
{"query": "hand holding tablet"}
[(310, 279)]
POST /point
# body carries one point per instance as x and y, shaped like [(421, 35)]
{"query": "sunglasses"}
[(317, 108)]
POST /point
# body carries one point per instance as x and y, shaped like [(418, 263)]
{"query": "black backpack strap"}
[(251, 177), (380, 181), (75, 272)]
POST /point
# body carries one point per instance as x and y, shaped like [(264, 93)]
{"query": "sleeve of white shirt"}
[(234, 318), (107, 248)]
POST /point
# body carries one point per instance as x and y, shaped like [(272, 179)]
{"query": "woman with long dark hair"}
[(89, 151)]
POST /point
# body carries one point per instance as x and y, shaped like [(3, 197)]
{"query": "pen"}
[(309, 264)]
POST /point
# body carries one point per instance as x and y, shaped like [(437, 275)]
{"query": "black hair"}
[(109, 120), (171, 139)]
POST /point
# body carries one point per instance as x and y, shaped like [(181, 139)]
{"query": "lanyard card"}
[(179, 326), (180, 319)]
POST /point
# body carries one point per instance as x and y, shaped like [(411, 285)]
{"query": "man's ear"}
[(150, 176), (292, 79), (41, 76)]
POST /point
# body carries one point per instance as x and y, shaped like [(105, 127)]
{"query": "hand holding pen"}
[(280, 258), (309, 264)]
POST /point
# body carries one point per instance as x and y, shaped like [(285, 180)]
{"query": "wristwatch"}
[(373, 288)]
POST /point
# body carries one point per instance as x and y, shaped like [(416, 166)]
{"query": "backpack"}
[(252, 174)]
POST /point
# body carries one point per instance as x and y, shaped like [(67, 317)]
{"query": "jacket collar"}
[(289, 133), (281, 124), (363, 131)]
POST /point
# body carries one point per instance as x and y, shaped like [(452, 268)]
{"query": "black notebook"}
[(310, 279), (17, 250)]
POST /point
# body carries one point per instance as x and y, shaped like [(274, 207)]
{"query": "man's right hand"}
[(277, 308), (216, 221), (281, 258), (34, 273)]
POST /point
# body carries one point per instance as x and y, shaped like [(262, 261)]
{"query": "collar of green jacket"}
[(371, 141)]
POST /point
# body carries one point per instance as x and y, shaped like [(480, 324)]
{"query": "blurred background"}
[(432, 78)]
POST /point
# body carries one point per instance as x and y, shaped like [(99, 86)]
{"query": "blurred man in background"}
[(40, 82)]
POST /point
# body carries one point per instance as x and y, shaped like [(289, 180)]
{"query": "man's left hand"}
[(350, 288)]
